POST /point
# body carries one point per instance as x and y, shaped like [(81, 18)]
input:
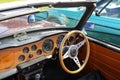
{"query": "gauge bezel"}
[(21, 58), (58, 43), (33, 47), (26, 50), (39, 52), (43, 48)]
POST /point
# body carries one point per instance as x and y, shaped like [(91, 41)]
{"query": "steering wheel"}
[(72, 52)]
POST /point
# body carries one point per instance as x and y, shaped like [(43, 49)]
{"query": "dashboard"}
[(28, 54)]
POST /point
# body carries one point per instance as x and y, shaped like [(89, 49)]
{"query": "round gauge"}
[(34, 47), (21, 58), (39, 52), (26, 50), (59, 40), (48, 45), (71, 39)]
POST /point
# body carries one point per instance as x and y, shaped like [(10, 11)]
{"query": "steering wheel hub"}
[(73, 51)]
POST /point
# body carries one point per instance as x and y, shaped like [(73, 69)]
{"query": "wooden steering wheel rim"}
[(87, 52)]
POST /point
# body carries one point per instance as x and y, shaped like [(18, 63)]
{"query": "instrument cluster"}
[(44, 47)]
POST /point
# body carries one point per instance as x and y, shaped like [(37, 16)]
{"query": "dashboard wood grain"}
[(9, 58)]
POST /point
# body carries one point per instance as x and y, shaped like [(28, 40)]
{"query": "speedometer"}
[(48, 45)]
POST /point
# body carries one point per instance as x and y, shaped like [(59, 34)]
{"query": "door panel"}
[(105, 60)]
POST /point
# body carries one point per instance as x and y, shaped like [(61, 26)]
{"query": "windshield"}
[(46, 18)]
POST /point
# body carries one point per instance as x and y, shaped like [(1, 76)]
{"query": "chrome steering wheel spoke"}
[(80, 44), (66, 55), (76, 60)]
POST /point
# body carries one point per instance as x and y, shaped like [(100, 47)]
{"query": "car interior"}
[(55, 53)]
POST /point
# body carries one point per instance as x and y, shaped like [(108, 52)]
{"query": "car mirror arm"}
[(97, 13)]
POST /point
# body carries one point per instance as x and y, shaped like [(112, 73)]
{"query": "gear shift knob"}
[(37, 77)]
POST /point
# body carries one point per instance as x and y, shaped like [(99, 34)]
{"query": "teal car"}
[(105, 20)]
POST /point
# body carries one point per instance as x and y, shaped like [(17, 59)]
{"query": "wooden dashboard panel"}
[(105, 60), (9, 57)]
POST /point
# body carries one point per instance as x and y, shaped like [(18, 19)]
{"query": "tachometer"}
[(59, 40), (48, 45)]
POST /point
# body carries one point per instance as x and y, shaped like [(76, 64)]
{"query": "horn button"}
[(73, 51)]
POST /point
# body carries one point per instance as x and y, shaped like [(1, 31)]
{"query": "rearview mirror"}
[(37, 17)]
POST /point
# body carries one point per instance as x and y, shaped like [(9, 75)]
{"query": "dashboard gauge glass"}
[(71, 38), (26, 50), (34, 47), (48, 45), (21, 58), (59, 40), (39, 52)]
